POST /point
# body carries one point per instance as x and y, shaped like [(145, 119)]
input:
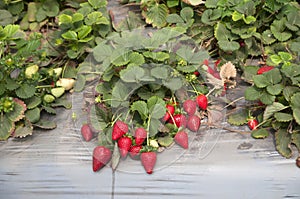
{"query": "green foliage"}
[(82, 28), (278, 89)]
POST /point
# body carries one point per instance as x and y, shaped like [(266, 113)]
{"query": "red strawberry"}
[(134, 151), (194, 123), (119, 129), (180, 120), (140, 135), (170, 111), (190, 106), (298, 162), (217, 62), (197, 73), (181, 138), (124, 144), (148, 160), (206, 62), (202, 101), (252, 123), (101, 156), (86, 132), (264, 69)]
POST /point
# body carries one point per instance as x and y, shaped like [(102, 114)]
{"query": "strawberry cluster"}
[(135, 141)]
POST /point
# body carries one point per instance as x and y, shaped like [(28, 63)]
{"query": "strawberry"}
[(119, 129), (148, 160), (86, 132), (217, 62), (124, 144), (197, 73), (264, 69), (181, 138), (134, 151), (190, 106), (170, 111), (180, 120), (140, 135), (252, 123), (101, 156), (202, 101), (298, 162), (194, 123), (206, 62)]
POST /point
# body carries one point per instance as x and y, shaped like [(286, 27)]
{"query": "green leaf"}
[(283, 117), (93, 18), (75, 18), (187, 13), (165, 141), (104, 137), (273, 76), (33, 102), (23, 131), (160, 72), (260, 133), (296, 139), (157, 56), (295, 104), (252, 93), (136, 59), (102, 52), (5, 18), (275, 89), (249, 73), (237, 16), (18, 112), (96, 118), (156, 15), (49, 110), (154, 126), (289, 91), (84, 31), (25, 91), (238, 118), (173, 84), (229, 45), (267, 37), (6, 127), (156, 107), (115, 158), (45, 124), (141, 107), (51, 8), (80, 83), (174, 18), (172, 3), (261, 81), (120, 93), (70, 35), (273, 108), (210, 17), (276, 59), (132, 74), (64, 19), (62, 102), (11, 30), (285, 56), (249, 19), (186, 53), (283, 140), (279, 31), (33, 115), (98, 3)]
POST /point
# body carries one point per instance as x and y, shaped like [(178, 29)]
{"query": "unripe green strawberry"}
[(31, 70), (67, 83), (49, 98), (55, 72), (57, 92)]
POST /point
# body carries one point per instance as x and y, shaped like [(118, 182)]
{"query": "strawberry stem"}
[(148, 130)]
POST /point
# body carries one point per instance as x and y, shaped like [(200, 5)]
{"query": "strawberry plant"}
[(275, 95), (27, 84), (141, 82)]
